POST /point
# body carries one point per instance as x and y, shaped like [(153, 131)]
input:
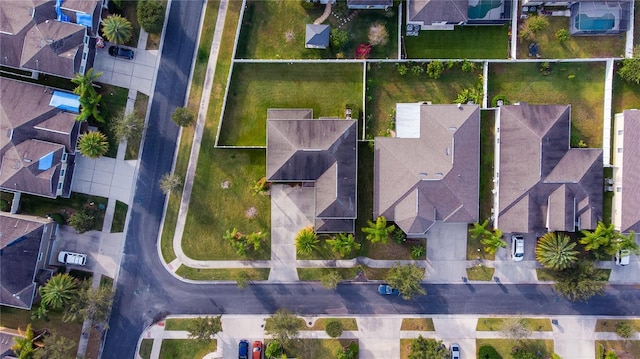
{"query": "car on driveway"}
[(121, 52), (622, 257), (257, 350), (386, 289), (454, 351), (243, 349), (517, 247), (72, 258)]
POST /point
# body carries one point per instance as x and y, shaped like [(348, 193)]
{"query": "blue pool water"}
[(483, 7), (601, 23)]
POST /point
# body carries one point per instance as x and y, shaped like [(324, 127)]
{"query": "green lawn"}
[(326, 88), (524, 82), (504, 346), (495, 324), (464, 42), (114, 100), (178, 323), (347, 324), (475, 248), (145, 348), (119, 217), (627, 349), (626, 95), (480, 273), (276, 30), (346, 273), (609, 325), (186, 349), (40, 206), (575, 47), (422, 324), (386, 87), (315, 348), (222, 274), (487, 144)]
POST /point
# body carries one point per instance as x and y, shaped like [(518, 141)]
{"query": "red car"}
[(257, 350)]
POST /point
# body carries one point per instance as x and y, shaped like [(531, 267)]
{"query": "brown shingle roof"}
[(430, 11), (434, 177)]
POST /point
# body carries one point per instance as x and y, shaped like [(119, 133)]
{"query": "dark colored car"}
[(121, 52), (386, 289), (243, 349), (257, 350)]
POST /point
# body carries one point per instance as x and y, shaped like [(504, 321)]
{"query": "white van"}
[(72, 258)]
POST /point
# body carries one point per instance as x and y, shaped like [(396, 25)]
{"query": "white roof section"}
[(408, 120)]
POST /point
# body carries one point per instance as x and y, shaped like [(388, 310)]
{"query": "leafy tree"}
[(23, 346), (435, 69), (378, 231), (515, 329), (169, 182), (580, 282), (479, 230), (93, 144), (273, 350), (630, 70), (493, 242), (349, 352), (117, 29), (203, 328), (90, 304), (407, 279), (339, 38), (83, 220), (59, 291), (254, 240), (343, 244), (531, 26), (150, 15), (283, 326), (241, 243), (183, 117), (623, 242), (127, 127), (555, 251), (378, 34), (89, 97), (562, 35), (55, 347), (488, 352), (422, 348), (624, 329), (331, 280), (334, 328), (306, 241)]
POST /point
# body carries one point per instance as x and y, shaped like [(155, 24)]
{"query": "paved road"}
[(146, 292)]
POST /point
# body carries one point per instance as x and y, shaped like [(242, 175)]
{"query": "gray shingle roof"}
[(544, 184), (630, 216), (317, 36), (434, 177), (430, 11), (322, 151)]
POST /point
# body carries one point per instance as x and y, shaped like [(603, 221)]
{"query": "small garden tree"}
[(169, 182), (83, 220), (435, 69), (90, 304), (117, 29), (306, 241), (127, 127), (93, 144), (378, 34), (378, 231), (427, 348), (515, 329), (407, 279), (624, 329), (89, 97), (343, 244), (493, 241), (339, 39), (283, 326), (531, 26), (203, 328), (183, 117), (23, 346), (150, 15), (331, 279), (562, 35), (580, 282)]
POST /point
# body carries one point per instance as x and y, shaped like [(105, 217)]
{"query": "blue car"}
[(243, 349), (386, 289)]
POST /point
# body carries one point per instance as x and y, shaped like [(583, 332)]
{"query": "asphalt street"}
[(146, 292)]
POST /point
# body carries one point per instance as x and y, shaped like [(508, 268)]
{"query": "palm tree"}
[(600, 237), (58, 291), (117, 29), (479, 230), (89, 98), (623, 242), (23, 346), (379, 231), (306, 241), (493, 241), (343, 244), (554, 251), (93, 144)]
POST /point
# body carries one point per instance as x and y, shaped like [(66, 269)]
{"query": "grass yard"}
[(140, 109), (626, 95), (315, 348), (386, 87), (179, 323), (145, 348), (626, 349), (544, 274), (464, 42), (346, 273), (255, 87), (607, 198), (495, 324), (186, 349), (222, 274), (575, 46), (487, 147), (119, 217), (503, 346), (480, 272), (347, 324), (114, 100), (193, 103), (578, 84), (40, 206), (276, 30), (475, 249), (422, 324), (609, 325)]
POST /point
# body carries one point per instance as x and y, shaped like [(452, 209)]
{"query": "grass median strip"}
[(417, 324), (222, 274), (145, 348), (495, 324), (480, 272), (609, 325), (320, 324)]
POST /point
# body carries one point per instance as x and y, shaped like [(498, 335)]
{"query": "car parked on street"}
[(386, 289), (517, 247), (121, 52), (243, 349), (454, 352), (257, 350), (72, 258), (622, 257)]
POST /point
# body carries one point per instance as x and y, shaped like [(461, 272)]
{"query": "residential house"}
[(320, 153), (25, 245), (369, 4), (39, 135), (49, 37), (317, 36), (446, 14), (626, 172), (541, 183), (430, 170)]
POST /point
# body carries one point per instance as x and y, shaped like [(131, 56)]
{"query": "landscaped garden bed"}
[(327, 88), (580, 84), (41, 206), (628, 349), (464, 42)]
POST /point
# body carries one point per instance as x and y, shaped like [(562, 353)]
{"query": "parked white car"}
[(72, 258), (517, 247)]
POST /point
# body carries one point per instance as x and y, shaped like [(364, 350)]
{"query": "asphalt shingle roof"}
[(630, 216)]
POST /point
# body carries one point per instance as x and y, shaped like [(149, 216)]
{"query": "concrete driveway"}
[(134, 74), (446, 252), (105, 177)]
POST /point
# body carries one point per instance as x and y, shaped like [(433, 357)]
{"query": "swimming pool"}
[(605, 22), (482, 8)]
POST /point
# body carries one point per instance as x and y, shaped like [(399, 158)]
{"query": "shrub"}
[(435, 69), (58, 218), (488, 352), (151, 15), (83, 220), (402, 69), (562, 35), (418, 252), (4, 206), (339, 38), (468, 66), (630, 70), (496, 98), (624, 330), (334, 328), (398, 236), (183, 117), (417, 70)]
